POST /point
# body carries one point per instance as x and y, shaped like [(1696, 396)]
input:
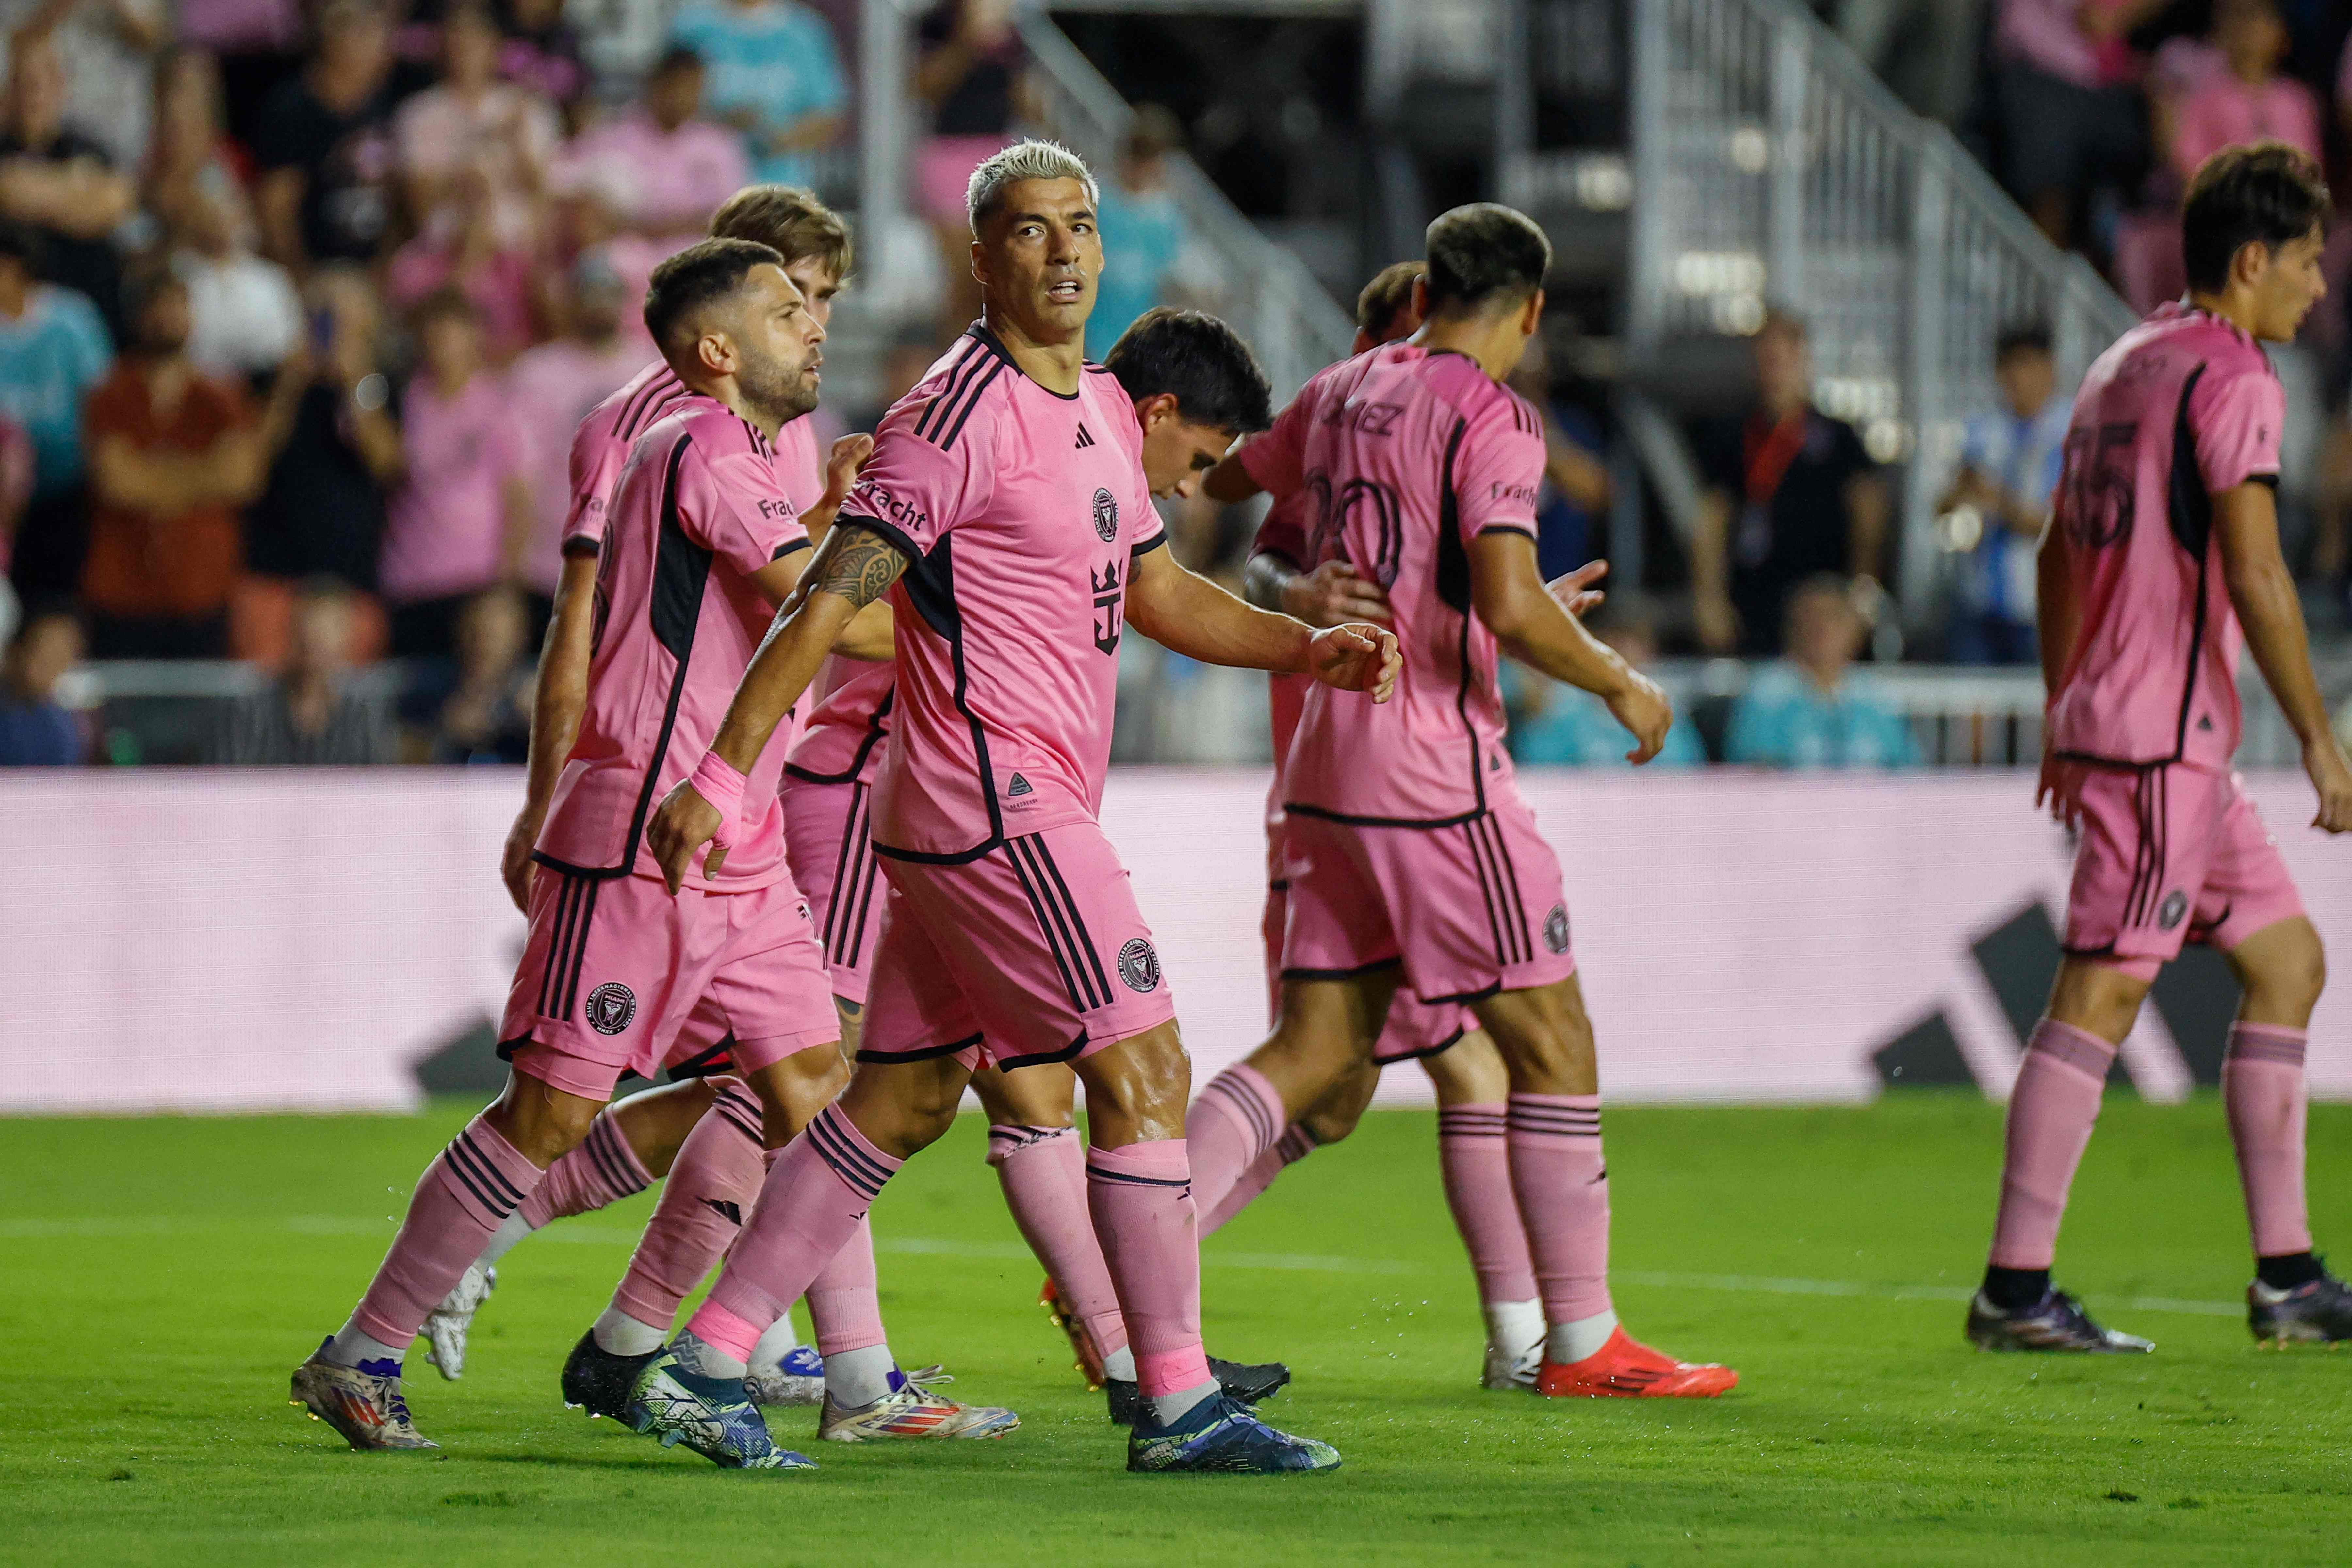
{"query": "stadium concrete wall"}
[(210, 940)]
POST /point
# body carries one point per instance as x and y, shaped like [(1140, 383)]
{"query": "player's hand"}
[(2331, 775), (1575, 591), (1356, 658), (842, 464), (1643, 708), (1333, 595), (515, 865), (683, 824)]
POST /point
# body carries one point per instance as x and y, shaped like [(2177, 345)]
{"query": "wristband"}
[(716, 780)]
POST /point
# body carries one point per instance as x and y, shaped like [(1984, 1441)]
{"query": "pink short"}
[(1034, 952), (2169, 855), (615, 966), (831, 849), (1469, 910), (1414, 1030)]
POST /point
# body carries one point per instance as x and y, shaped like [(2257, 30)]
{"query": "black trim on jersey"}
[(928, 1053), (584, 546), (790, 545), (1148, 546), (758, 442), (1423, 1054), (1321, 814), (1465, 998), (874, 730), (1453, 588), (1301, 972), (651, 399), (2189, 510), (965, 391), (704, 1063), (958, 374), (981, 333), (1039, 1058), (1507, 528)]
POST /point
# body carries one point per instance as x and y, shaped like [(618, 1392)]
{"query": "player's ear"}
[(1156, 410), (716, 351), (1531, 314)]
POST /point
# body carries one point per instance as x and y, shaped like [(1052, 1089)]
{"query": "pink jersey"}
[(1406, 456), (1021, 512), (602, 445), (2181, 407), (446, 531), (552, 388), (1288, 532), (698, 513)]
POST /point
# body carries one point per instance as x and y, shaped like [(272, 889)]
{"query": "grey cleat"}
[(363, 1403), (2057, 1324)]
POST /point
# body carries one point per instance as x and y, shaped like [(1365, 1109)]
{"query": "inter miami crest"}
[(1555, 932), (1138, 965), (1105, 516), (611, 1006)]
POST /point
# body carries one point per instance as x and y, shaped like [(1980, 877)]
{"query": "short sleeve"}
[(2236, 420), (1498, 470), (1276, 460), (597, 458), (732, 504), (913, 491)]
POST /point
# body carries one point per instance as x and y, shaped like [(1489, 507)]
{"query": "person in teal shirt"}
[(1812, 709), (1142, 230), (53, 349), (774, 76), (1558, 726)]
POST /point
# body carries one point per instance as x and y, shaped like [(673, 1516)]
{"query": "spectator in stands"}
[(323, 143), (549, 390), (2250, 101), (473, 132), (542, 51), (17, 464), (309, 717), (487, 718), (463, 249), (1813, 709), (35, 731), (53, 350), (174, 454), (1142, 228), (1791, 493), (62, 182), (1553, 724), (248, 316), (969, 73), (775, 76), (255, 43), (105, 50), (322, 513), (658, 168), (2069, 115), (1925, 49), (448, 535), (2010, 463)]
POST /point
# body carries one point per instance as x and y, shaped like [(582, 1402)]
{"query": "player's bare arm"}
[(869, 633), (2245, 520), (1185, 612), (556, 704), (1230, 482), (2059, 613), (853, 568), (1328, 596), (1536, 629)]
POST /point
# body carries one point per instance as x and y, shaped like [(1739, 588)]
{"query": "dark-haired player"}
[(700, 544), (2163, 545), (1005, 515), (1412, 860)]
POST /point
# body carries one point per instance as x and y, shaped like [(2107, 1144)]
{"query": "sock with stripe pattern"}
[(1561, 1185), (1140, 1196), (1473, 1157), (604, 1169), (2052, 1109), (1294, 1145), (1044, 1172), (710, 1189), (2263, 1088), (1238, 1117)]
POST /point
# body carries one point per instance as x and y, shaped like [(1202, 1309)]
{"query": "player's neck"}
[(1495, 345), (1058, 367), (2232, 307), (722, 390)]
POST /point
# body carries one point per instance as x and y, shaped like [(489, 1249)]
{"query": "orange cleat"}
[(1626, 1369), (1089, 1365)]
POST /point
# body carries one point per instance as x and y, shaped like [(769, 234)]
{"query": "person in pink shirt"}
[(1006, 515), (472, 123), (2250, 101), (2161, 561), (658, 167), (2066, 100)]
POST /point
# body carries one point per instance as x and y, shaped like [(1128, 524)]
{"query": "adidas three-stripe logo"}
[(1085, 440)]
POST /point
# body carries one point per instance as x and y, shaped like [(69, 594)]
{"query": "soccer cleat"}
[(1237, 1381), (798, 1379), (598, 1381), (711, 1416), (1221, 1434), (1506, 1371), (912, 1410), (2056, 1323), (1625, 1368), (1089, 1365), (363, 1403), (2317, 1314), (445, 1326)]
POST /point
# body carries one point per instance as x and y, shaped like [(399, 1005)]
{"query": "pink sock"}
[(710, 1189), (817, 1191), (1294, 1145), (2262, 1085), (1237, 1118), (602, 1170), (1044, 1172), (1474, 1153), (464, 1195), (2051, 1113), (844, 1300), (1561, 1186), (1141, 1199)]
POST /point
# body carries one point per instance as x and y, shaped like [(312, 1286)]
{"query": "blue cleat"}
[(1223, 1435), (712, 1415)]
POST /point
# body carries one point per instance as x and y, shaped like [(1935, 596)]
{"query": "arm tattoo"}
[(857, 565), (1264, 579)]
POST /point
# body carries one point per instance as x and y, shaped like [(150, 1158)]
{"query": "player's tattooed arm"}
[(1327, 597), (857, 565)]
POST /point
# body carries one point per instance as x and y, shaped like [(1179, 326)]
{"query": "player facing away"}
[(636, 1140), (2160, 558), (1196, 388), (1005, 514), (1412, 860), (701, 544), (1460, 1060)]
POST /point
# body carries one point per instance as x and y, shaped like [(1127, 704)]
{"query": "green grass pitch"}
[(162, 1276)]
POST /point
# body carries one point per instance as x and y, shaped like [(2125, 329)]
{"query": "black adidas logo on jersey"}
[(1085, 440), (1018, 787)]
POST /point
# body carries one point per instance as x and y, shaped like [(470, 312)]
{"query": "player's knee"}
[(544, 1123), (1137, 1089), (1468, 1072), (1337, 1114), (2283, 970)]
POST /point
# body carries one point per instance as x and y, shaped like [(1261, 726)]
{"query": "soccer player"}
[(1005, 514), (2163, 545), (1411, 858), (699, 543)]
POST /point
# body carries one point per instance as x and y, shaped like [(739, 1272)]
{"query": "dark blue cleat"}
[(712, 1415), (2055, 1323), (1223, 1435)]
